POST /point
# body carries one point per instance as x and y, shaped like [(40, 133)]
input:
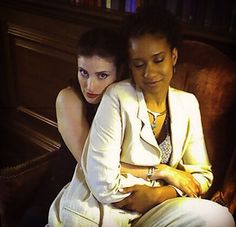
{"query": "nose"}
[(150, 70), (90, 84)]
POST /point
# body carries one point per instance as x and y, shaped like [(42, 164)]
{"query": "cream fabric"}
[(121, 131)]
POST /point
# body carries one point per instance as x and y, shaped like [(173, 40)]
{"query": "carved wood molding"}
[(36, 116), (63, 44), (44, 49), (35, 137), (31, 135)]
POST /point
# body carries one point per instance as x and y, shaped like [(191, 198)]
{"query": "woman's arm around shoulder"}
[(71, 121)]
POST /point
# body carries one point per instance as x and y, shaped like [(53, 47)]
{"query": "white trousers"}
[(186, 212), (178, 212)]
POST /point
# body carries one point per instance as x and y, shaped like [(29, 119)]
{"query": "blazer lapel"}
[(178, 124), (146, 131)]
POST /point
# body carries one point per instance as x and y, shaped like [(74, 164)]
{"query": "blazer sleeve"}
[(101, 154), (195, 159)]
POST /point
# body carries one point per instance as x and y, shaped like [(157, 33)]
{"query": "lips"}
[(152, 83), (91, 96)]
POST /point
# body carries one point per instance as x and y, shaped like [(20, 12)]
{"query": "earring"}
[(174, 70)]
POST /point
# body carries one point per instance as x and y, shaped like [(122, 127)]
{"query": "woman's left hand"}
[(143, 198), (178, 178)]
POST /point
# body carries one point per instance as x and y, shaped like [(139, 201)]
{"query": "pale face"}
[(151, 63), (94, 75)]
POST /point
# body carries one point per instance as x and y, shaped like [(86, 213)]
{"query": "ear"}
[(174, 56)]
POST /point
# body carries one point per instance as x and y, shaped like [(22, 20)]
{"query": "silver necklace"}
[(155, 115)]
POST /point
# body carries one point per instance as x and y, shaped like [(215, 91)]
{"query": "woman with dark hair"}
[(144, 162), (100, 62)]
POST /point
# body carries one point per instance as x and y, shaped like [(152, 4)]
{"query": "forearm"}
[(137, 171), (143, 198), (71, 121), (167, 192), (75, 144), (103, 176), (160, 171)]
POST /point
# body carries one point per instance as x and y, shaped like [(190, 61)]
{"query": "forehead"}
[(147, 44), (95, 61)]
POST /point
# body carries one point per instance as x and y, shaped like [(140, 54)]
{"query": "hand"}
[(143, 198), (178, 178)]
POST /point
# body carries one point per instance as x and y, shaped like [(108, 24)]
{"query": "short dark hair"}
[(105, 43), (154, 20)]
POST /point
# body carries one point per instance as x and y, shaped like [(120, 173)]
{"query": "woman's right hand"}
[(178, 178)]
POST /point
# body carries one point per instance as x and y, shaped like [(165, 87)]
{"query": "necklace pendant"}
[(153, 125), (155, 115)]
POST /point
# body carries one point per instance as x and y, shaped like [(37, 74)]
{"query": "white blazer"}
[(121, 131)]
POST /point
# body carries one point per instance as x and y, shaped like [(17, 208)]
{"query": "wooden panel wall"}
[(40, 55)]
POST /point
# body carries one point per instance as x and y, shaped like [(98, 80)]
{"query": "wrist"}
[(150, 173), (162, 172), (163, 193)]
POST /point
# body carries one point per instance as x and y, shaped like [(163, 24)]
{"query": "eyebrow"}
[(162, 52), (102, 72), (79, 67), (154, 55)]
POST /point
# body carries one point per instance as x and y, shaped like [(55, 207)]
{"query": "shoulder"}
[(68, 97), (185, 101), (181, 95), (121, 89)]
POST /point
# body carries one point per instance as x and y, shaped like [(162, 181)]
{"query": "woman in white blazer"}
[(144, 162)]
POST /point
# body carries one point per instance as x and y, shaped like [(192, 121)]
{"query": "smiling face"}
[(151, 62), (95, 74)]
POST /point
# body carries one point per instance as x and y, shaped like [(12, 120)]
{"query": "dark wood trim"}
[(36, 36), (33, 114), (41, 48), (32, 135)]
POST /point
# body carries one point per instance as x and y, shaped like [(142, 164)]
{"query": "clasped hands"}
[(143, 198)]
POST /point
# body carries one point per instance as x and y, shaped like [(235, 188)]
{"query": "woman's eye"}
[(83, 73), (103, 76), (138, 64), (158, 60)]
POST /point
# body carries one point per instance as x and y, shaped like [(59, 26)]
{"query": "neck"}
[(156, 103)]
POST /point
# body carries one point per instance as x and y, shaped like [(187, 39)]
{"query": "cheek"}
[(82, 82), (137, 74)]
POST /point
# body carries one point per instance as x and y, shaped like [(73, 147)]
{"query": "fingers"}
[(192, 189), (125, 203), (198, 187), (127, 189), (120, 204)]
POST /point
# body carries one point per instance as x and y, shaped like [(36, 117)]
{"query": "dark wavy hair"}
[(105, 43), (153, 20)]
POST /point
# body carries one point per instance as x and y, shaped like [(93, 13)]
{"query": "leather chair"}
[(209, 74)]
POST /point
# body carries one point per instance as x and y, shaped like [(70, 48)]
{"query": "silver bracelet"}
[(150, 173)]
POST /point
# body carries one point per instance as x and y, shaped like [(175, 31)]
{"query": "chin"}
[(93, 101)]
